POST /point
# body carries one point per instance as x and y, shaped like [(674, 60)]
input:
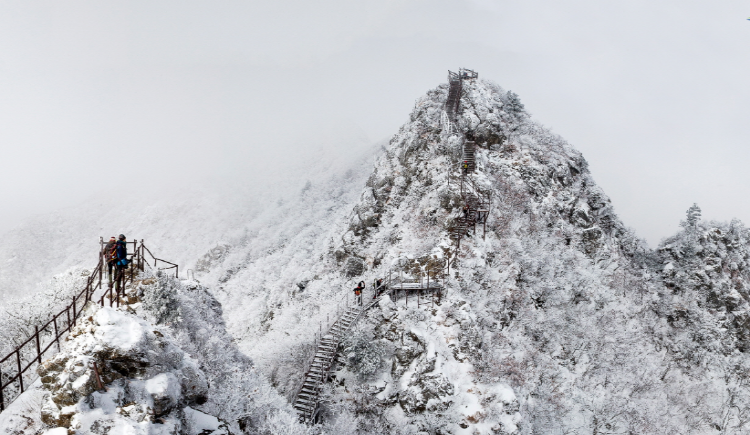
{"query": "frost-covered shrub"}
[(364, 355), (160, 299), (354, 267)]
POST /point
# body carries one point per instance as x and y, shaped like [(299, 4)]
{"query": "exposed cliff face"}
[(707, 275), (539, 182)]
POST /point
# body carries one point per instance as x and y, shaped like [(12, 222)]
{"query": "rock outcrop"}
[(118, 371)]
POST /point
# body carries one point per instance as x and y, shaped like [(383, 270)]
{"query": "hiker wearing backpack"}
[(358, 292), (110, 256), (121, 259)]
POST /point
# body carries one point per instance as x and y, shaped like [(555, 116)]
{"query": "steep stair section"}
[(468, 157), (454, 95), (306, 402)]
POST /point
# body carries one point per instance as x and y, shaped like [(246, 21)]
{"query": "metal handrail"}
[(391, 284), (70, 314)]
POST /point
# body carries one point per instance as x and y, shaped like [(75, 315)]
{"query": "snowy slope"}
[(554, 322), (162, 365)]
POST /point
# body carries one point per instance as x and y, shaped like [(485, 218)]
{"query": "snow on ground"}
[(562, 302), (556, 320), (146, 368)]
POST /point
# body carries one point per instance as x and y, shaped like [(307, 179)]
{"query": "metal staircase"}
[(475, 209), (307, 401), (455, 87), (475, 201), (468, 157)]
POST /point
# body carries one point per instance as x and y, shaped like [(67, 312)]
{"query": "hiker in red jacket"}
[(358, 292)]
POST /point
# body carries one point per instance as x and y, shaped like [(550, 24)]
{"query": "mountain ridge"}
[(556, 319)]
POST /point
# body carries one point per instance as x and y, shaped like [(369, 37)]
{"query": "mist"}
[(143, 98)]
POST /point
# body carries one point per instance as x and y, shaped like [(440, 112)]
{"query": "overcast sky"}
[(156, 95)]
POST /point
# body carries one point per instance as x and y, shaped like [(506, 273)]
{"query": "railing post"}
[(20, 373), (74, 309), (57, 335), (2, 400), (101, 271), (38, 346), (67, 312)]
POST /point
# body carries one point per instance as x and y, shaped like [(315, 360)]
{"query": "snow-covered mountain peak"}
[(554, 318)]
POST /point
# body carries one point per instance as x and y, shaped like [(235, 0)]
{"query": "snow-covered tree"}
[(693, 216)]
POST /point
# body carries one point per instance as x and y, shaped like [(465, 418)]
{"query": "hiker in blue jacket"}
[(121, 249)]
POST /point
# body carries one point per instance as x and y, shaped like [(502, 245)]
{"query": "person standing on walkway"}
[(110, 257), (121, 249), (358, 293)]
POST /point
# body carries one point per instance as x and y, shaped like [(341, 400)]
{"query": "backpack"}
[(111, 255)]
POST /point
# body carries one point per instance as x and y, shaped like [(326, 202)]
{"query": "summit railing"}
[(18, 368)]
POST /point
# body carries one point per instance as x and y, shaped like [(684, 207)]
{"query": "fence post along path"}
[(18, 368)]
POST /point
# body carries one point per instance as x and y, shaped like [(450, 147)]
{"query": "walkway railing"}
[(319, 363), (18, 368)]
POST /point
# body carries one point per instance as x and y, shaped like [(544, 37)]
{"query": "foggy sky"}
[(95, 95)]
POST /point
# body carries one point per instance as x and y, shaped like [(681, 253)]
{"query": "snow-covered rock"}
[(117, 371), (162, 365), (559, 305)]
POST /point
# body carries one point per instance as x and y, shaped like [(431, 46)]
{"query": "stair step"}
[(300, 400)]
